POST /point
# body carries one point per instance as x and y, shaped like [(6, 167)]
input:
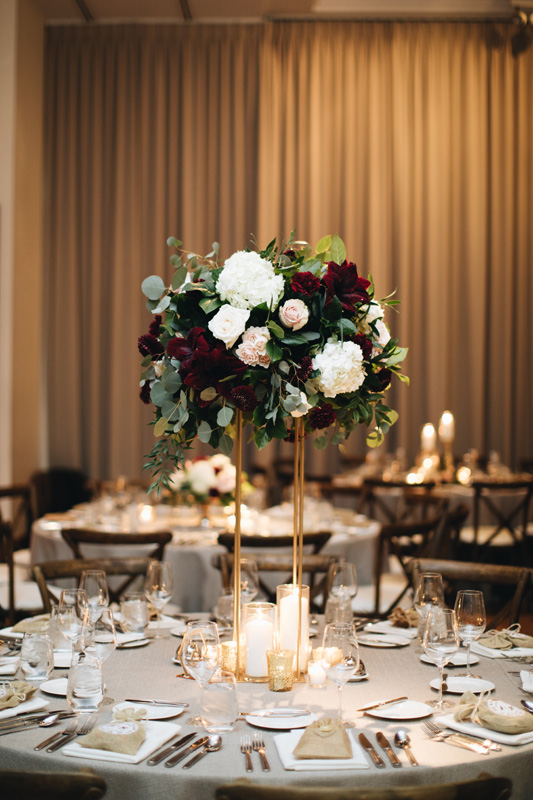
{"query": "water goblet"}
[(440, 643), (85, 686), (134, 612), (158, 588), (200, 654), (429, 593), (94, 582), (471, 619), (36, 656), (71, 612), (340, 655)]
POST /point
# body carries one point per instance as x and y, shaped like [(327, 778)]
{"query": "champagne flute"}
[(73, 605), (429, 594), (200, 654), (440, 643), (158, 588), (94, 582), (340, 655), (471, 619)]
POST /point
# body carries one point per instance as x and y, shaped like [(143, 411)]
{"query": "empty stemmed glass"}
[(440, 643), (471, 619), (200, 654), (249, 580), (429, 594), (100, 636), (94, 582), (158, 588), (340, 655), (342, 584), (71, 612)]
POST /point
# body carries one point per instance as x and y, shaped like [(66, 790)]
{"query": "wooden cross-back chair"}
[(315, 570), (49, 571), (75, 537), (6, 558), (83, 784), (508, 504), (313, 541), (466, 573), (391, 501), (16, 500)]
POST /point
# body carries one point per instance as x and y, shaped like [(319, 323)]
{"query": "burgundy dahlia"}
[(144, 394), (343, 281), (149, 345), (305, 368), (155, 325), (384, 376), (322, 416), (186, 348), (305, 283), (364, 343), (244, 398)]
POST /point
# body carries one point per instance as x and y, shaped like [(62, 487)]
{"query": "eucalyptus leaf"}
[(158, 394), (337, 438), (374, 439), (283, 367), (226, 444), (153, 287), (169, 410), (176, 261), (179, 277), (160, 426), (321, 442), (147, 360), (224, 416), (162, 305), (171, 380), (209, 394), (173, 242), (204, 432)]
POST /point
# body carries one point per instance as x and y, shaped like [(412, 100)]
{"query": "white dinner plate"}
[(460, 685), (408, 709), (56, 686), (152, 711), (356, 678), (457, 660), (133, 643), (179, 629), (280, 723), (382, 640)]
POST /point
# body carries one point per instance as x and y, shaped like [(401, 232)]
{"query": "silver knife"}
[(382, 703), (184, 753), (370, 749), (384, 744), (170, 749), (157, 702)]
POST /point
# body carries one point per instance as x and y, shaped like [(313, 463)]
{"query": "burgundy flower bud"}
[(244, 398), (149, 345), (322, 416)]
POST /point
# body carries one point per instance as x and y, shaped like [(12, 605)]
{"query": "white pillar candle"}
[(259, 634), (288, 626), (428, 440), (447, 427)]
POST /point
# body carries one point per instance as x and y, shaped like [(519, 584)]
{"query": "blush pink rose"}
[(294, 314)]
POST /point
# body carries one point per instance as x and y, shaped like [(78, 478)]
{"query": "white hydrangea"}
[(247, 280), (341, 368)]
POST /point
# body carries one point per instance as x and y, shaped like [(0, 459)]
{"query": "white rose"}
[(228, 324), (341, 368), (247, 280), (294, 314), (383, 337), (219, 461)]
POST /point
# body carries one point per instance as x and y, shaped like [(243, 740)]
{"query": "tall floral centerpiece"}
[(289, 339)]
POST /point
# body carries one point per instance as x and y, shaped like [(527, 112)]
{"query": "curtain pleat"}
[(411, 140)]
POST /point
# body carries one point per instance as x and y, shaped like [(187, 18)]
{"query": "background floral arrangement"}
[(206, 477), (282, 333)]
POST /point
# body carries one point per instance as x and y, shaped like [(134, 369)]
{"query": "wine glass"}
[(73, 605), (440, 643), (100, 636), (94, 582), (471, 619), (249, 580), (340, 655), (200, 654), (158, 588), (342, 582), (429, 594)]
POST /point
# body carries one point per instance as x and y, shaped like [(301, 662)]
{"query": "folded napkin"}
[(32, 624), (14, 694), (119, 736), (404, 618), (477, 730), (287, 742), (9, 665), (527, 680), (35, 704), (491, 652), (387, 627), (156, 735), (493, 714)]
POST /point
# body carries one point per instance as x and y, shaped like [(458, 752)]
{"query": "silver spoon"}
[(401, 739), (213, 743)]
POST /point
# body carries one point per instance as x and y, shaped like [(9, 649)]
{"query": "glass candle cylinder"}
[(280, 670), (290, 611), (315, 675), (259, 627), (229, 656)]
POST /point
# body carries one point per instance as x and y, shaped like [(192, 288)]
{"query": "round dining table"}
[(150, 673), (197, 583)]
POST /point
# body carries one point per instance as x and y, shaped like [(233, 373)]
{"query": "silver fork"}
[(438, 735), (259, 746), (246, 748), (70, 729), (85, 727)]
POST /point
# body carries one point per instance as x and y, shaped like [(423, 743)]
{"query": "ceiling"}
[(233, 11)]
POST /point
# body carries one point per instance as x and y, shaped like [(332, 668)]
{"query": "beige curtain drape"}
[(411, 140)]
